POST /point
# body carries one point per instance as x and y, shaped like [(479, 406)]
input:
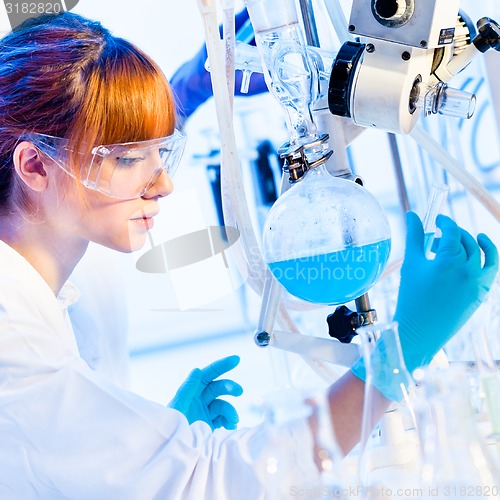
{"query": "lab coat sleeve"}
[(88, 439)]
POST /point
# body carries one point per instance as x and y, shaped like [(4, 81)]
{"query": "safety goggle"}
[(124, 171)]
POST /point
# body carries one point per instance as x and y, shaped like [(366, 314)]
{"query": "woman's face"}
[(90, 215)]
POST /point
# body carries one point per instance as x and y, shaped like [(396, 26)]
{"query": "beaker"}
[(386, 376), (456, 462), (487, 370), (326, 240), (316, 465)]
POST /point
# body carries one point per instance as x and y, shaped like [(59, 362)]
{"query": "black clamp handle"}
[(488, 36), (342, 324)]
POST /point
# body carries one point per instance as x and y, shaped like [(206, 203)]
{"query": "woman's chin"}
[(132, 244)]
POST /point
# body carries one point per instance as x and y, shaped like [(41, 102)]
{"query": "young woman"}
[(87, 149)]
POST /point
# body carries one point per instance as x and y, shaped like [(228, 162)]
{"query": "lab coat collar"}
[(18, 265), (18, 278), (68, 295)]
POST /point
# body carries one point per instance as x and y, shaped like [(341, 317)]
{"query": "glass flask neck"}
[(291, 78), (386, 372), (383, 360), (299, 122), (318, 171), (289, 70), (314, 173), (299, 160)]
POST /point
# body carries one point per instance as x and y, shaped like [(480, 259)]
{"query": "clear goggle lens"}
[(123, 171)]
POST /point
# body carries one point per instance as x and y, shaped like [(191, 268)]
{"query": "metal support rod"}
[(398, 170), (363, 303), (366, 315), (310, 29)]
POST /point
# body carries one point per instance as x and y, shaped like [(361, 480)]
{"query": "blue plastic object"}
[(437, 297), (192, 85), (197, 398)]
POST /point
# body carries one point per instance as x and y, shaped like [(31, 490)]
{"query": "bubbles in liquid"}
[(335, 277)]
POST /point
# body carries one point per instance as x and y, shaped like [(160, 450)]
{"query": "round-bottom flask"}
[(326, 240)]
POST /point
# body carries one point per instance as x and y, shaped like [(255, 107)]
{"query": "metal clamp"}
[(296, 160)]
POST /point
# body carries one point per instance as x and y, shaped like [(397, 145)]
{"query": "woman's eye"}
[(164, 153), (128, 161)]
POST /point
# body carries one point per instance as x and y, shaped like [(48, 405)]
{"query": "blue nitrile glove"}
[(191, 83), (197, 396), (437, 297)]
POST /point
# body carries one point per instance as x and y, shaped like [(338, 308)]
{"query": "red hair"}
[(67, 76)]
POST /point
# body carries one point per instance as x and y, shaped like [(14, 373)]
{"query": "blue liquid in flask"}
[(336, 277)]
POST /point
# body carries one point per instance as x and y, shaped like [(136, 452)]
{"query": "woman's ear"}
[(29, 166)]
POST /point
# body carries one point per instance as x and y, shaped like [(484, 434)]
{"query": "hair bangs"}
[(127, 99)]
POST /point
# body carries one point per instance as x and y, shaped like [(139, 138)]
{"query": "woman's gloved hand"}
[(197, 397), (191, 83), (437, 297)]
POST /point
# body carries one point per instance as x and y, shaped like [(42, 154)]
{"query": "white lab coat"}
[(98, 314), (66, 431)]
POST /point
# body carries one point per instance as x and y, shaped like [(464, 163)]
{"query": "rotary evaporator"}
[(326, 239)]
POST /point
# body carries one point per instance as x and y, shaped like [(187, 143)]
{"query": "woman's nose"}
[(163, 186)]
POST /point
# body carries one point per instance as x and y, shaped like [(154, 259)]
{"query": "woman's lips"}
[(145, 222)]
